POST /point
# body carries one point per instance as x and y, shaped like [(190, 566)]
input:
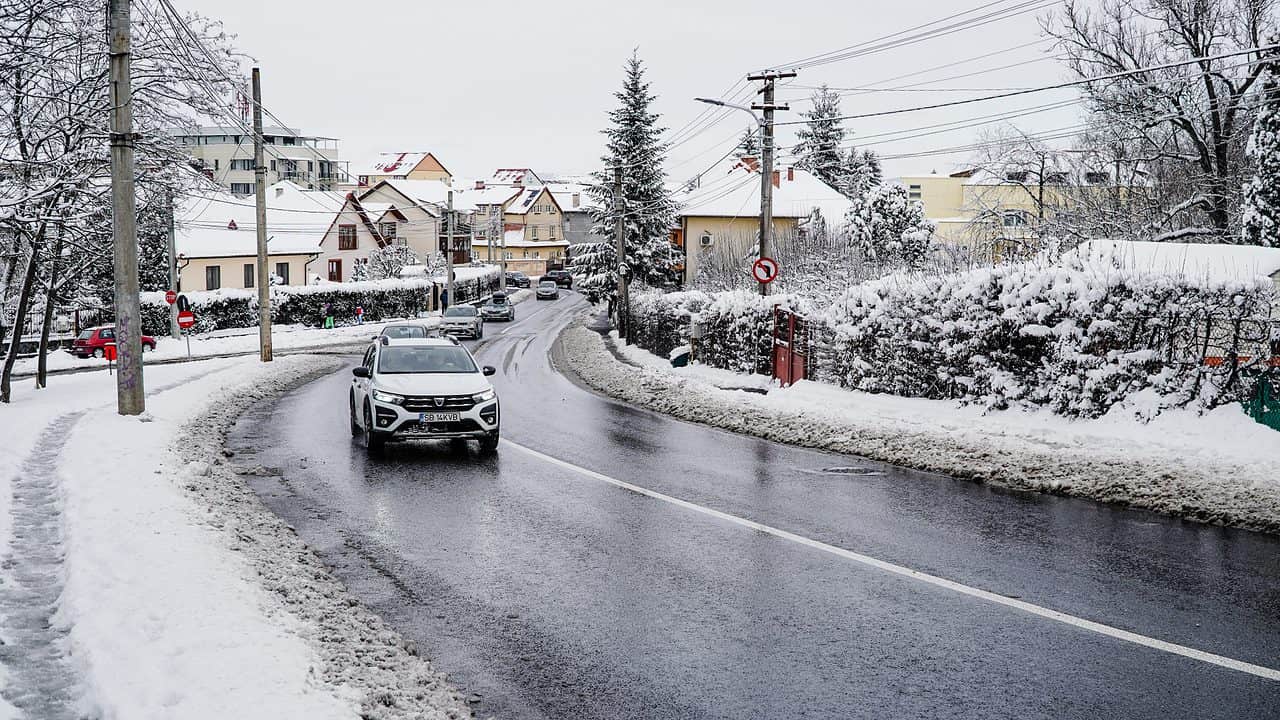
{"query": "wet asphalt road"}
[(552, 594)]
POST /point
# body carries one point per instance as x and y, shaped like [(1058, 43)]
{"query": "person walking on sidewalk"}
[(328, 316), (359, 315)]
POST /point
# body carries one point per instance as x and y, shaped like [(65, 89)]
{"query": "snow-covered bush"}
[(737, 330), (214, 310), (889, 227), (660, 322)]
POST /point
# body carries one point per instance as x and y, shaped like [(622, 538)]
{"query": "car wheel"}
[(99, 353), (489, 443), (355, 426), (373, 442)]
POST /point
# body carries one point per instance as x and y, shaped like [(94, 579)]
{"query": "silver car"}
[(547, 290), (463, 320)]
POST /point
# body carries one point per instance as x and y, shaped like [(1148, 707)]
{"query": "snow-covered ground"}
[(142, 578), (1219, 467)]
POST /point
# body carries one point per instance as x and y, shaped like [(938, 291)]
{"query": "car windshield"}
[(405, 331), (460, 311), (85, 335), (547, 283), (430, 359)]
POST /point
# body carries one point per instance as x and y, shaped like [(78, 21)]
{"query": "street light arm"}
[(720, 103)]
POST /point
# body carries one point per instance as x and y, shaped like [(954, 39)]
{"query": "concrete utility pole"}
[(766, 161), (448, 255), (130, 394), (260, 200), (495, 224), (174, 330), (620, 240)]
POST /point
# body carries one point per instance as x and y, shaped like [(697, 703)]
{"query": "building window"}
[(248, 275), (913, 192), (241, 188), (212, 277), (1055, 178), (1097, 178), (509, 255), (269, 139), (1015, 220), (347, 237), (242, 164), (273, 166), (551, 231), (282, 272), (289, 140), (215, 163), (387, 230), (311, 166), (533, 229), (335, 270), (1017, 176), (536, 256)]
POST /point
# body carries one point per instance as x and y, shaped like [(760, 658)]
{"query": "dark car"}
[(562, 278), (518, 279), (498, 308), (94, 341)]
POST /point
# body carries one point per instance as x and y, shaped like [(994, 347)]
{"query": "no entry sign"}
[(765, 270), (170, 297), (186, 319)]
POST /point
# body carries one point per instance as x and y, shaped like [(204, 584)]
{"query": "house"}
[(720, 213), (401, 166), (225, 156), (573, 197), (1194, 261), (216, 240), (533, 239), (513, 177)]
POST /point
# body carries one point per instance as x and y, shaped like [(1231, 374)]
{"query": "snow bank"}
[(1220, 467)]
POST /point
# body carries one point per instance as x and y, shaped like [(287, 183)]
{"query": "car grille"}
[(443, 428), (452, 403)]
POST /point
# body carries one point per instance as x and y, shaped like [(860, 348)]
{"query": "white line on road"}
[(1125, 635)]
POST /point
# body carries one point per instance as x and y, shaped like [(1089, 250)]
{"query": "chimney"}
[(751, 162), (577, 199), (777, 180), (479, 184), (791, 174), (279, 191)]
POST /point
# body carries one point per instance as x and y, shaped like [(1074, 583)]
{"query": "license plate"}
[(437, 417)]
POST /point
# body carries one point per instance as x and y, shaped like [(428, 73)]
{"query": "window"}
[(212, 277), (273, 166), (248, 275), (1017, 176), (269, 139), (289, 140), (311, 166), (387, 230), (107, 334), (551, 231), (1015, 220), (347, 237), (536, 256), (1097, 178), (335, 270), (913, 192), (241, 188), (282, 272), (1055, 178), (215, 163), (242, 164), (533, 229), (508, 255)]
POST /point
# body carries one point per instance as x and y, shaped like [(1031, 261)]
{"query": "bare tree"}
[(1192, 119)]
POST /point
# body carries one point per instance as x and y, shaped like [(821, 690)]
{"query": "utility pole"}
[(448, 255), (766, 160), (620, 240), (174, 330), (495, 225), (130, 394), (260, 200)]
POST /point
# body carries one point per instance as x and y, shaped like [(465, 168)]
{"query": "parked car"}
[(499, 307), (562, 278), (547, 290), (94, 341), (406, 331), (463, 320), (422, 389), (518, 279)]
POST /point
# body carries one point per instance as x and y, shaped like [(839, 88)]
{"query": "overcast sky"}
[(486, 84)]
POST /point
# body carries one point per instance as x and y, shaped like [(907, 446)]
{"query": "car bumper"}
[(397, 423), (468, 330), (500, 316)]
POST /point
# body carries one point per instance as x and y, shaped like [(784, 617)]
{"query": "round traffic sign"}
[(109, 352), (765, 270), (170, 297), (183, 304), (186, 319)]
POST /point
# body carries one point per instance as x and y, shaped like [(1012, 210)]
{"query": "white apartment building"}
[(225, 155)]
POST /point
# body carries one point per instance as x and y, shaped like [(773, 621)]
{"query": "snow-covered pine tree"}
[(818, 149), (888, 227), (635, 145), (1261, 208), (871, 168), (749, 145)]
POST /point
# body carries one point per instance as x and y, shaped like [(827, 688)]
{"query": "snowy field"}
[(143, 579), (1220, 467)]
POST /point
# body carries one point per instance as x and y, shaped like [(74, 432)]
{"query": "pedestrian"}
[(359, 315), (444, 299), (328, 316)]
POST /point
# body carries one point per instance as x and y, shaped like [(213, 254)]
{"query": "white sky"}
[(512, 84)]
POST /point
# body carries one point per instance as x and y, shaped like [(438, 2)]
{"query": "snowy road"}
[(549, 591)]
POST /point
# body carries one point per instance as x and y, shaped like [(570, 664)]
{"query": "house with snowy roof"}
[(576, 205), (532, 239), (513, 177), (720, 212), (401, 166), (216, 239)]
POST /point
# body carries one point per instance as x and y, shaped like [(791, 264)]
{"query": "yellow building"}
[(401, 166)]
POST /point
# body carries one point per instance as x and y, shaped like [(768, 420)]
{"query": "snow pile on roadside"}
[(1217, 468)]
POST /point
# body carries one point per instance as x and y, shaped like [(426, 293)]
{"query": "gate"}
[(790, 346), (1265, 404)]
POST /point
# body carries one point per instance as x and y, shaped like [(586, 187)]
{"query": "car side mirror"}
[(490, 370), (360, 372)]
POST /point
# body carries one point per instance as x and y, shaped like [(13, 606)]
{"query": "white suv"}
[(422, 389)]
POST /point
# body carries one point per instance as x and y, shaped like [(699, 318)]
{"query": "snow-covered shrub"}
[(378, 298), (660, 322), (214, 310), (737, 330)]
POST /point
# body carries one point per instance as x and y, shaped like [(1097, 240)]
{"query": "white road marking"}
[(1125, 635)]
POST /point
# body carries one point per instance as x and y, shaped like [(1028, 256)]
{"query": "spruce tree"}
[(749, 145), (635, 145), (819, 148), (1261, 209)]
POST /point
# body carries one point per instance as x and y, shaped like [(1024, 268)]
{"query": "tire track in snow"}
[(41, 683)]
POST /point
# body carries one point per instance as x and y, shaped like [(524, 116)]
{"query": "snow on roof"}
[(515, 239), (514, 176), (563, 192), (1209, 262), (436, 193), (523, 203), (734, 191), (390, 163), (297, 220)]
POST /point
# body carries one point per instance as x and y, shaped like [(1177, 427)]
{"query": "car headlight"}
[(486, 395), (387, 397)]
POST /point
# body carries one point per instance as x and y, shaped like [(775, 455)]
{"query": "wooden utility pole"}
[(620, 240), (174, 330), (766, 161), (130, 393), (260, 200), (448, 255)]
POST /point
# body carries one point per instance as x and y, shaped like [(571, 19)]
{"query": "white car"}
[(463, 320), (422, 389)]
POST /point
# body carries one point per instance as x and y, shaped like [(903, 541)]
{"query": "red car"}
[(94, 341)]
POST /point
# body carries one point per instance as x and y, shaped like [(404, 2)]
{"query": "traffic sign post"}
[(765, 270), (170, 297), (186, 320), (109, 352)]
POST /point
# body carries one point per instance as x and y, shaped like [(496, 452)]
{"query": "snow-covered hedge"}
[(214, 310), (660, 322), (1075, 340)]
